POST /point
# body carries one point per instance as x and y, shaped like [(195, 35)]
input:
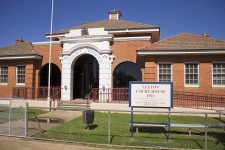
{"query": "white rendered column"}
[(66, 85)]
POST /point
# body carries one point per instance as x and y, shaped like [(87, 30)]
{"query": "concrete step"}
[(69, 104), (74, 104)]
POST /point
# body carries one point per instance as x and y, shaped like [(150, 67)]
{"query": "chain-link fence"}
[(13, 117), (149, 128)]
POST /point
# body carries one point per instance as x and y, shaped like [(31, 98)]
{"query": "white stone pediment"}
[(97, 44), (91, 32)]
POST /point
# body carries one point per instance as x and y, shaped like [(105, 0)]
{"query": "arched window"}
[(55, 75), (125, 72)]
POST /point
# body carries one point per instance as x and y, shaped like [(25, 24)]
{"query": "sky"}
[(30, 19)]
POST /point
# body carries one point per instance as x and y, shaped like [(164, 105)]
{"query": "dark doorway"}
[(125, 72), (55, 75), (85, 76)]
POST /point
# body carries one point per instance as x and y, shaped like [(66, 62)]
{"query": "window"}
[(191, 74), (3, 74), (20, 75), (165, 74), (218, 74)]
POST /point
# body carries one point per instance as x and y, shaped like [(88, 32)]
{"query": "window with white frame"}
[(191, 74), (218, 74), (165, 73), (20, 78), (3, 74)]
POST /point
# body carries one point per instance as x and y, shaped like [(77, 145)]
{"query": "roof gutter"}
[(202, 52), (20, 57), (133, 30)]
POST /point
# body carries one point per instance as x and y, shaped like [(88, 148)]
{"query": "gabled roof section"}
[(186, 41), (109, 25), (20, 48)]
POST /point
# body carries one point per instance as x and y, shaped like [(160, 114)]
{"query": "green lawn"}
[(120, 132), (17, 113)]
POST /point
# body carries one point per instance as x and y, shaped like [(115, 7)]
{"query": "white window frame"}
[(171, 75), (216, 62), (193, 85), (5, 83), (17, 75)]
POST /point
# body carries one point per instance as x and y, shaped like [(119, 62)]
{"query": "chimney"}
[(19, 41), (115, 14), (204, 34)]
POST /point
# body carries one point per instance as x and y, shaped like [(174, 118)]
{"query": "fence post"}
[(211, 102), (109, 128), (169, 123), (10, 116), (26, 119), (206, 126)]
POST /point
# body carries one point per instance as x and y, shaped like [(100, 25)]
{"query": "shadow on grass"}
[(219, 136), (91, 126), (219, 119)]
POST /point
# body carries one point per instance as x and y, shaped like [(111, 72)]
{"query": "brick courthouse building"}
[(110, 53)]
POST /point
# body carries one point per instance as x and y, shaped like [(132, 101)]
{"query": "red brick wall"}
[(126, 51), (32, 69), (5, 90), (123, 51), (205, 71), (43, 50)]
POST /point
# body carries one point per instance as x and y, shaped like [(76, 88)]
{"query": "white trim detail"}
[(3, 84), (186, 52), (20, 57), (80, 39), (132, 38)]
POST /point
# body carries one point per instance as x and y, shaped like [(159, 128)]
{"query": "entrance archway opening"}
[(55, 75), (125, 72), (85, 76)]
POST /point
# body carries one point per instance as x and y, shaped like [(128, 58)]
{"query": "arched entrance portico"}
[(80, 61), (85, 75)]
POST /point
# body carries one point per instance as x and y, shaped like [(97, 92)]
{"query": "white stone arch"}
[(68, 60), (84, 50)]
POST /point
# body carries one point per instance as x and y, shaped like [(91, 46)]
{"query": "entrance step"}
[(75, 104)]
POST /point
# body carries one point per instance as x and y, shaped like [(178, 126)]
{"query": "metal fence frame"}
[(120, 95), (36, 93)]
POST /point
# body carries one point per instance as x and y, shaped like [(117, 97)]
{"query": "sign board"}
[(151, 94)]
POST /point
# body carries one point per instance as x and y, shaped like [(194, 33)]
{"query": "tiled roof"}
[(110, 24), (18, 49), (187, 41)]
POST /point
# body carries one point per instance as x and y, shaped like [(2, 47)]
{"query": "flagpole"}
[(49, 58)]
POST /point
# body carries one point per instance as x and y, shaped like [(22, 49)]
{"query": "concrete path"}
[(12, 143), (49, 120)]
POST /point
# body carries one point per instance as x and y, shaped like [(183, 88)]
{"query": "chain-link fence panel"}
[(13, 117), (146, 129), (70, 125), (4, 116)]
